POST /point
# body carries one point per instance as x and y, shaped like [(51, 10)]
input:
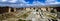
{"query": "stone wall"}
[(3, 9), (7, 9)]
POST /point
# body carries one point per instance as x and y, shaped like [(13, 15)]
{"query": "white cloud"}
[(37, 3), (23, 1), (13, 1), (4, 0), (55, 3), (52, 2)]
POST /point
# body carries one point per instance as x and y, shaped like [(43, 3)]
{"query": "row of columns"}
[(43, 9), (9, 10), (48, 9)]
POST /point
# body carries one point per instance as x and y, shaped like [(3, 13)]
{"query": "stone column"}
[(14, 9), (49, 9), (43, 9), (28, 9), (9, 10), (55, 10)]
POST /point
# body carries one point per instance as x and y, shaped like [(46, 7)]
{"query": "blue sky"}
[(22, 3)]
